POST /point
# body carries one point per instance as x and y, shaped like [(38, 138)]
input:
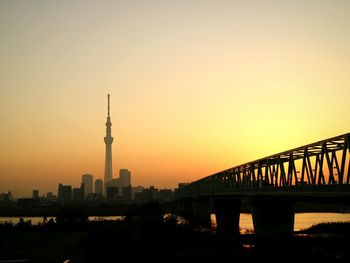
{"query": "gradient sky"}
[(196, 86)]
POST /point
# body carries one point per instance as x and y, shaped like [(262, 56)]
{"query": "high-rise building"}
[(64, 193), (108, 157), (87, 180), (124, 178), (99, 186), (35, 194)]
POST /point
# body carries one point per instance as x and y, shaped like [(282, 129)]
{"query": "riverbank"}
[(148, 237)]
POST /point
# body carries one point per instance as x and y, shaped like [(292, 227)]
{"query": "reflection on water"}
[(245, 223), (100, 218), (39, 220), (16, 220), (305, 220), (302, 220)]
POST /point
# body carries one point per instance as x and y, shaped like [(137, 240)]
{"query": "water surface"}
[(301, 221)]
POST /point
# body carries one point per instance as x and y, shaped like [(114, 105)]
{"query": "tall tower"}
[(108, 141)]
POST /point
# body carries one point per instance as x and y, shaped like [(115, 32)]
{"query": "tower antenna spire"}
[(108, 105)]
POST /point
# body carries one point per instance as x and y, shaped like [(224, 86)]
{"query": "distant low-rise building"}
[(77, 195), (147, 194), (136, 189), (28, 202), (126, 194), (165, 194), (96, 198), (6, 198), (50, 198)]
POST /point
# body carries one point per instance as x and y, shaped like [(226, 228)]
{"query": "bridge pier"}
[(273, 217), (201, 210), (227, 213)]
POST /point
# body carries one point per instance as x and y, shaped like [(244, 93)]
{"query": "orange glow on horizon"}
[(195, 87)]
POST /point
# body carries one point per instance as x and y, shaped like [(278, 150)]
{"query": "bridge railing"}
[(325, 162)]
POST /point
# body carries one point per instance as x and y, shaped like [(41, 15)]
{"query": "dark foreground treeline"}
[(144, 236)]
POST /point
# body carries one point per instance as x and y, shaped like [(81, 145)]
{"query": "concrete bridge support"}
[(273, 217), (201, 209), (227, 213)]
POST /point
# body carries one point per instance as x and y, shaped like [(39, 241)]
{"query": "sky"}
[(196, 86)]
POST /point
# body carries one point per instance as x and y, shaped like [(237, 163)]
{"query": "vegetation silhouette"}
[(330, 228), (71, 215), (146, 234)]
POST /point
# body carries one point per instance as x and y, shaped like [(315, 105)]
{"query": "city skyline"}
[(197, 86)]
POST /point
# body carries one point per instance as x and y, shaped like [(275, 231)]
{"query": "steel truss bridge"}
[(322, 166)]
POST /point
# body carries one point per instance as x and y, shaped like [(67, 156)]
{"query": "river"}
[(301, 221)]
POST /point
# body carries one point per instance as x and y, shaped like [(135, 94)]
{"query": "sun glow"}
[(197, 87)]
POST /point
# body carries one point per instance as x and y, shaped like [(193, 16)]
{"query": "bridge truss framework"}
[(322, 163)]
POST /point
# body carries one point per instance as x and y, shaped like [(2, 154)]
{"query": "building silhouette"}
[(87, 180), (147, 194), (99, 186), (64, 193), (35, 194), (165, 194), (108, 157), (112, 192), (124, 178), (127, 192), (6, 198), (77, 195), (123, 181), (50, 196), (136, 189)]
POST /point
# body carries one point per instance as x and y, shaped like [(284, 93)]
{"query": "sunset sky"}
[(196, 86)]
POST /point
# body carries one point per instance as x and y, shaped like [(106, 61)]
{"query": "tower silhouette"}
[(108, 158)]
